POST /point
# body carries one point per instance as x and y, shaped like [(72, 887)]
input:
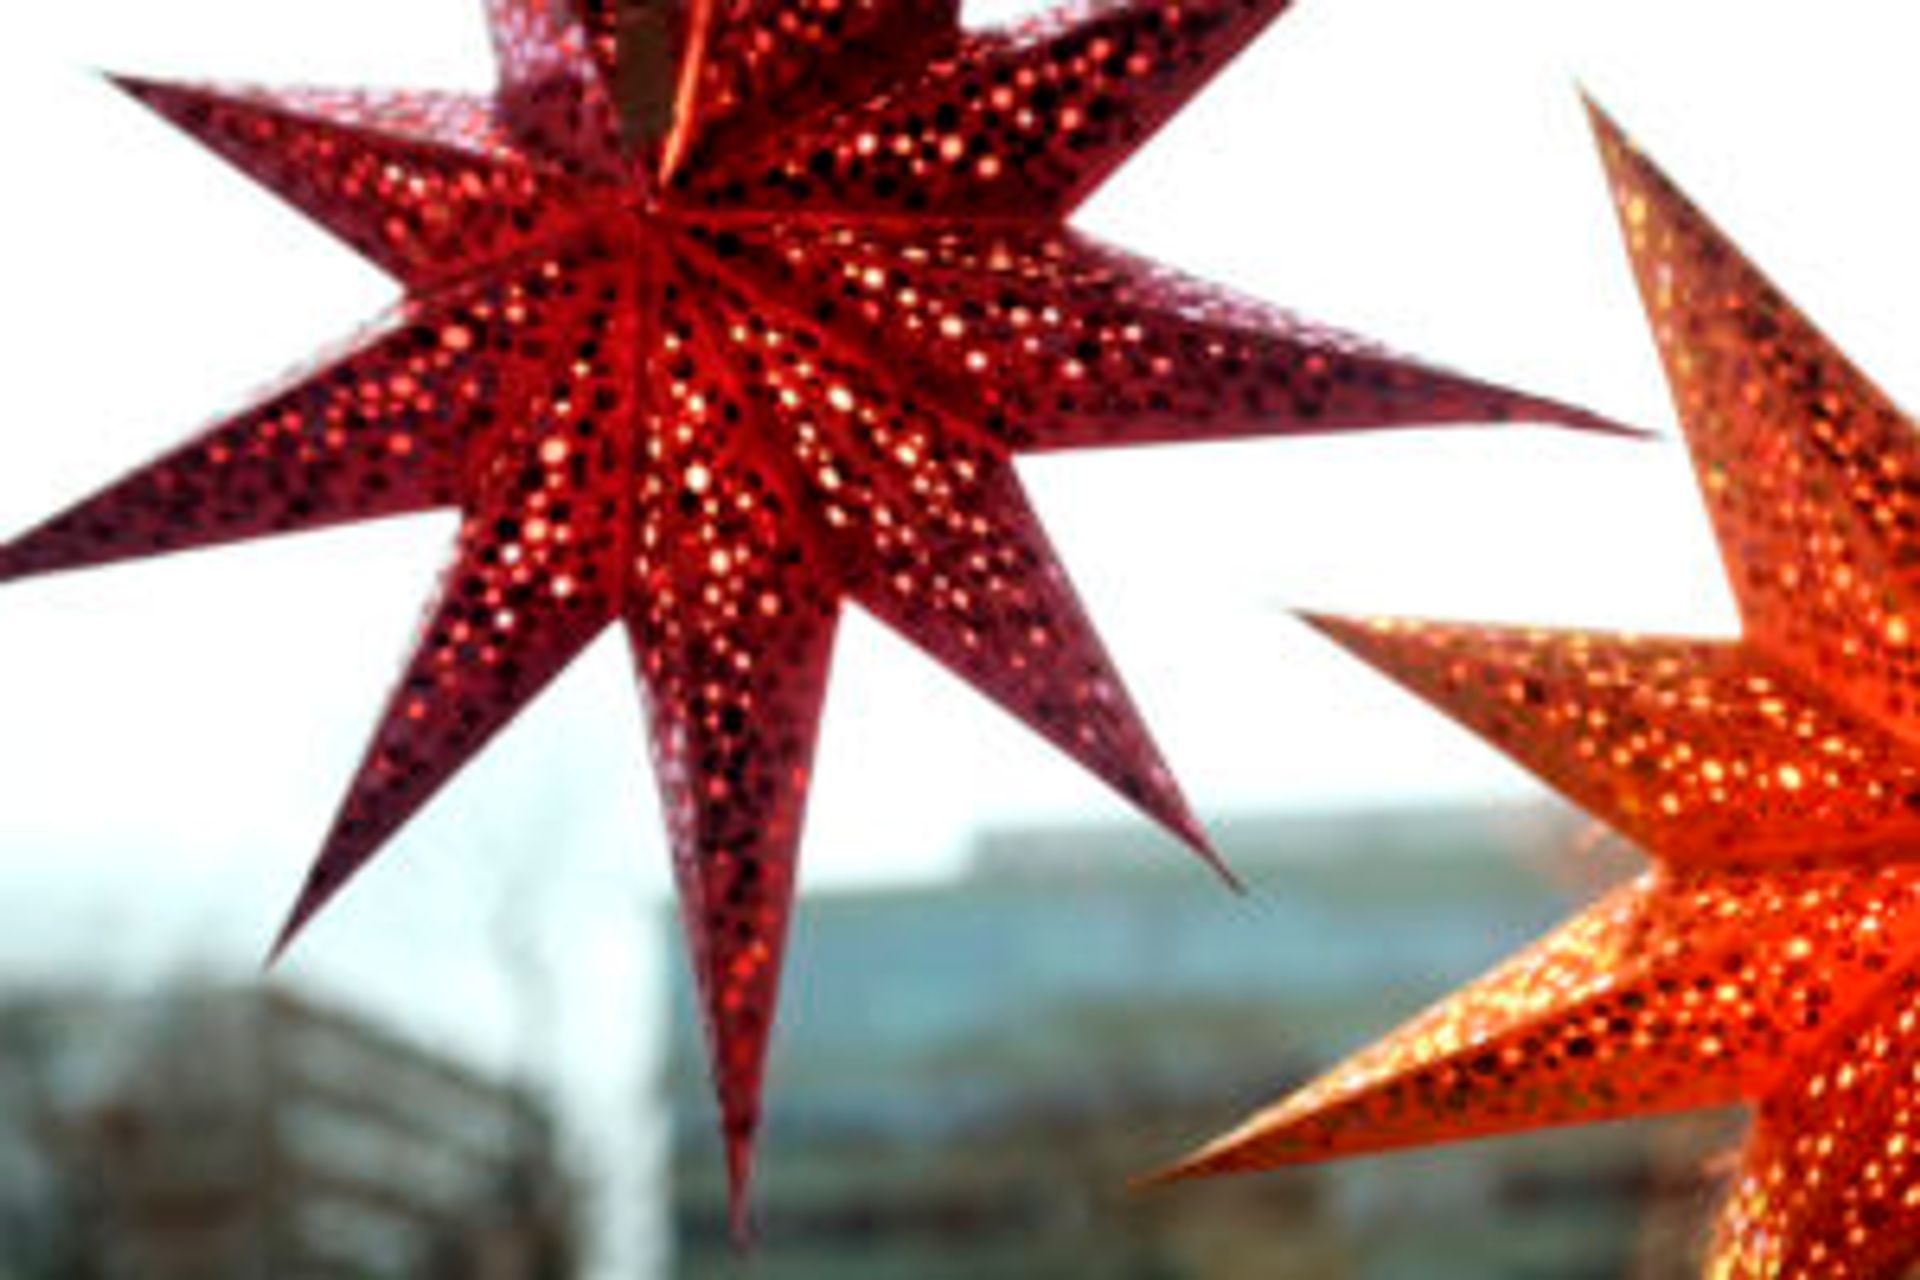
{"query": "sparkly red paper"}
[(706, 358), (1773, 955)]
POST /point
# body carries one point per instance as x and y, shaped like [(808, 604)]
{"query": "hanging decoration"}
[(1772, 955), (715, 316)]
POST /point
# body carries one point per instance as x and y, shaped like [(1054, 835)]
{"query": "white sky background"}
[(178, 732)]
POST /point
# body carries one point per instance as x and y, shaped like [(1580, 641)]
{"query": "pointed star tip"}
[(739, 1141), (283, 941), (1154, 1180), (163, 96), (1599, 119), (30, 557), (315, 893), (1228, 876), (740, 1226), (34, 556), (1615, 143), (141, 87), (1204, 1162), (1367, 638), (1335, 626), (1573, 416), (1261, 1142), (1179, 819)]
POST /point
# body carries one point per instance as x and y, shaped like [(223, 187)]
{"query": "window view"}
[(1009, 996), (973, 1072)]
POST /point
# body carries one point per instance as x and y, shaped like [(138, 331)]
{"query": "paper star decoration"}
[(705, 357), (1773, 954)]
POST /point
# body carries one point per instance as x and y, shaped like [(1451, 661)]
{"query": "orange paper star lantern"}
[(1773, 954)]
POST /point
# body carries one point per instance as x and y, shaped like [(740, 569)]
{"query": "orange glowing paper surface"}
[(1773, 954), (709, 379)]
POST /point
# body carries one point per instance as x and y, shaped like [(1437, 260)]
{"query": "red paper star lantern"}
[(1773, 955), (705, 359)]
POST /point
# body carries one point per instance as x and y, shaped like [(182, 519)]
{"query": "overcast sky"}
[(174, 735)]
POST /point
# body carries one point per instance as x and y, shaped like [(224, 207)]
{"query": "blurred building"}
[(249, 1133), (967, 1075)]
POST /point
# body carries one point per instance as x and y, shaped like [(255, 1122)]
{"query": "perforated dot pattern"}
[(1683, 989), (999, 122), (1709, 753), (1811, 475), (652, 414), (1774, 956)]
